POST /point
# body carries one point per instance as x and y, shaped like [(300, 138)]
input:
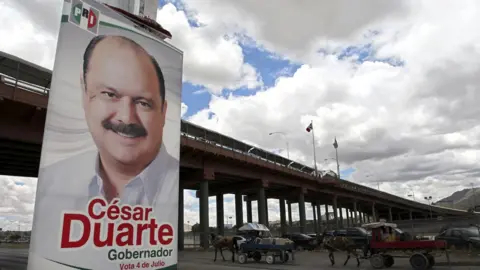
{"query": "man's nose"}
[(126, 111)]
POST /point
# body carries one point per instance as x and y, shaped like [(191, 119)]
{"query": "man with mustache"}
[(123, 91)]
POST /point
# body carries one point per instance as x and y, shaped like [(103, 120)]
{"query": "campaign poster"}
[(107, 195)]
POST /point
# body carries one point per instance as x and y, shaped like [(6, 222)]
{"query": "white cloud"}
[(211, 59), (17, 198), (292, 29)]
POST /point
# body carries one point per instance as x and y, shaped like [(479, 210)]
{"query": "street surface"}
[(16, 259)]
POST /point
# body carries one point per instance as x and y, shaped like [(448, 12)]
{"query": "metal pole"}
[(338, 165), (288, 150), (313, 143), (474, 199)]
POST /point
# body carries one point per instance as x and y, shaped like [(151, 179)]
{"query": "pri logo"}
[(84, 16)]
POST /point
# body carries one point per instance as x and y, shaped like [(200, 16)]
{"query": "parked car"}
[(318, 237), (302, 241), (461, 237)]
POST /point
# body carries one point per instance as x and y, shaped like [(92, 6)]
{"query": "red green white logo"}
[(84, 16)]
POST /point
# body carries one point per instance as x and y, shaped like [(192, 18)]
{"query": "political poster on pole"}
[(107, 192)]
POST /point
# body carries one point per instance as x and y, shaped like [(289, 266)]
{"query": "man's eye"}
[(144, 104), (109, 94)]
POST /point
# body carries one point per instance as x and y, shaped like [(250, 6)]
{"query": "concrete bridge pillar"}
[(249, 209), (262, 206), (315, 230), (290, 220), (335, 212), (283, 218), (410, 215), (220, 215), (266, 211), (181, 222), (319, 218), (203, 202), (347, 213), (341, 217), (374, 213), (301, 210), (238, 209), (355, 211), (390, 215), (327, 217)]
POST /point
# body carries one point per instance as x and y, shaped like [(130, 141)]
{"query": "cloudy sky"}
[(397, 82)]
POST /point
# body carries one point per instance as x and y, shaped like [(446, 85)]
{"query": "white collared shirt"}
[(68, 185)]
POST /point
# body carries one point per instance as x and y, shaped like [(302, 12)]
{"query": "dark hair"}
[(97, 39)]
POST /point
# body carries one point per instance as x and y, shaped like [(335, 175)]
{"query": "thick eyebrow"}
[(149, 100), (134, 98)]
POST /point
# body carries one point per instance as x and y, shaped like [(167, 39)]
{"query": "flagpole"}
[(313, 144), (335, 144)]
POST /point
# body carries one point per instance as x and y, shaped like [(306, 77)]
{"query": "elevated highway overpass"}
[(211, 163)]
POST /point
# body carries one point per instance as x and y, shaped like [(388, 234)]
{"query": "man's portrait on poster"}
[(125, 107)]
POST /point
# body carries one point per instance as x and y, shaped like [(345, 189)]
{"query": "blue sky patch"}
[(267, 65), (367, 52), (346, 172), (195, 97)]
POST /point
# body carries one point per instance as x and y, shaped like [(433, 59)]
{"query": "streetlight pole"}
[(429, 198), (286, 140), (413, 194), (474, 197), (378, 182)]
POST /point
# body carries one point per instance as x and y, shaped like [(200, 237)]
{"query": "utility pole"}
[(429, 198), (286, 140), (474, 195), (335, 145)]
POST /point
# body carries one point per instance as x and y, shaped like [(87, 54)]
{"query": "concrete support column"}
[(319, 218), (220, 215), (301, 210), (347, 211), (249, 210), (262, 207), (335, 213), (315, 228), (290, 220), (327, 217), (266, 211), (374, 213), (355, 210), (238, 209), (283, 217), (203, 202), (410, 215), (181, 222), (390, 216), (341, 216)]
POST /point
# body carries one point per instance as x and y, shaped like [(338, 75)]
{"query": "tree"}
[(14, 237)]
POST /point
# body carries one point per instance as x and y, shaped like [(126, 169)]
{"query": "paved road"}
[(16, 259)]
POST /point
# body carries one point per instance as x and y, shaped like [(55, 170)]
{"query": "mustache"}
[(131, 130)]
